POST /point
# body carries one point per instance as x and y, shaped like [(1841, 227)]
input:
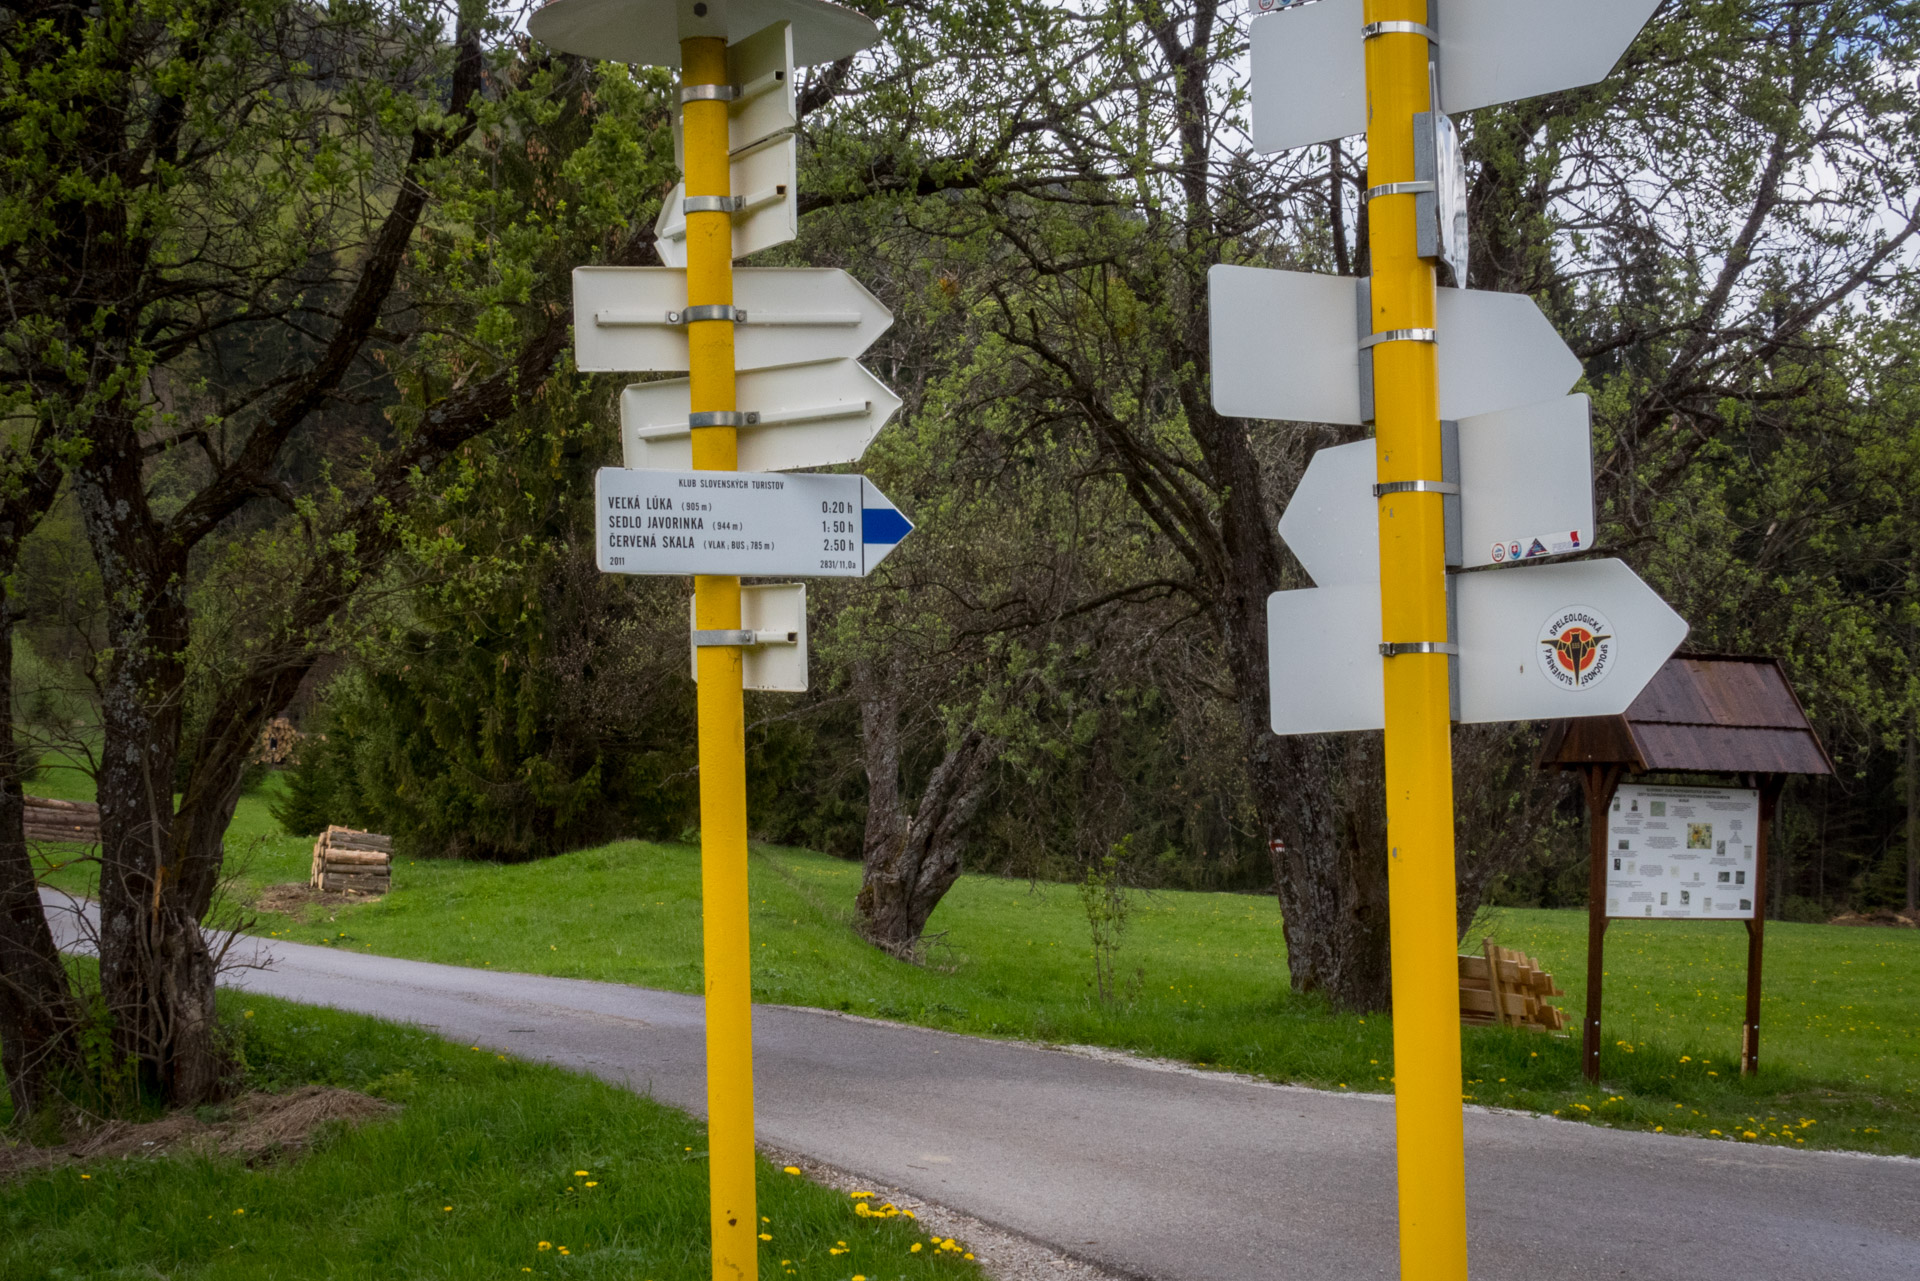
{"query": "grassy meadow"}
[(491, 1168), (1204, 981)]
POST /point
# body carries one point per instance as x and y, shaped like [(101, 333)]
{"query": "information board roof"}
[(1701, 713)]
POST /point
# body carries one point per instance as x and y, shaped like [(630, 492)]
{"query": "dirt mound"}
[(253, 1126), (1879, 916), (296, 899)]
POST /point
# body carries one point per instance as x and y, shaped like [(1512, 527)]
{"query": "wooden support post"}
[(1600, 782), (1770, 786)]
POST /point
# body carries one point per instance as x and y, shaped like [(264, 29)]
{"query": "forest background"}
[(315, 446)]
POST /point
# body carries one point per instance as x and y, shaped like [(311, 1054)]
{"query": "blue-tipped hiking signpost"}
[(755, 524)]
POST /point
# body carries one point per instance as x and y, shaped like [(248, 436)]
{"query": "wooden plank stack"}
[(1509, 988), (346, 861), (47, 820)]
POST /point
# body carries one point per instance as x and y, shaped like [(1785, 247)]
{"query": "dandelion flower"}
[(792, 1169), (766, 1236), (241, 1211), (546, 1245), (447, 1209), (914, 1248)]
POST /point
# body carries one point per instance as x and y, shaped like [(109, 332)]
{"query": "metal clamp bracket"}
[(730, 638), (723, 418), (1386, 487), (1372, 29), (710, 204), (1398, 335), (708, 93), (708, 311), (1389, 649), (1397, 189)]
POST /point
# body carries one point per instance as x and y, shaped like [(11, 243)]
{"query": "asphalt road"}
[(1167, 1174)]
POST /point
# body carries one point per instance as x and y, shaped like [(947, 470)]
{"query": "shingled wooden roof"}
[(1701, 713)]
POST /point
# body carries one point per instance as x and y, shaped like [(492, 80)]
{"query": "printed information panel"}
[(1682, 853), (747, 523)]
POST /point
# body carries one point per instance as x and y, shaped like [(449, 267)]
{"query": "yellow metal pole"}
[(1426, 1002), (723, 738)]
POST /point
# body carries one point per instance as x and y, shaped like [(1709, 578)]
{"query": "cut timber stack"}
[(350, 862), (47, 820), (1508, 987)]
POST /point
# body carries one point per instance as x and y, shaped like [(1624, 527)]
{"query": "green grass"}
[(477, 1169), (1840, 1020)]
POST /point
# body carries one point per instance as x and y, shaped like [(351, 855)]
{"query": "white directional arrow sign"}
[(1286, 345), (764, 182), (1526, 492), (746, 523), (760, 72), (1526, 482), (627, 319), (610, 29), (1537, 643), (1552, 641), (802, 416), (1309, 61), (1522, 468)]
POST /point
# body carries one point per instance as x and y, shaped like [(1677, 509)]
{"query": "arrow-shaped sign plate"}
[(746, 523), (764, 180), (626, 319), (1526, 483), (808, 416), (1286, 346), (1309, 61), (1581, 638), (1539, 643), (760, 69), (649, 31)]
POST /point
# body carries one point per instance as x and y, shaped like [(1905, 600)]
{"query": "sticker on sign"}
[(746, 523)]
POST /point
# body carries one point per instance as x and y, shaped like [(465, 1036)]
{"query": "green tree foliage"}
[(228, 230), (518, 703)]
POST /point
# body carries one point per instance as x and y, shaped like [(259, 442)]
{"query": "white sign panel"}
[(1309, 61), (1323, 660), (746, 523), (764, 178), (809, 416), (1526, 483), (1285, 346), (778, 613), (1332, 523), (1539, 643), (650, 33), (1683, 853), (626, 319), (1552, 641), (760, 69), (1526, 492)]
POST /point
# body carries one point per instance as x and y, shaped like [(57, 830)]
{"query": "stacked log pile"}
[(1508, 987), (346, 861), (48, 820)]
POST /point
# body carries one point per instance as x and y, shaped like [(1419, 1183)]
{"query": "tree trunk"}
[(1913, 820), (156, 972), (910, 862), (38, 1013), (1324, 795)]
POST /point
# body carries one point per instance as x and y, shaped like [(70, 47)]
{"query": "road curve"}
[(1168, 1174)]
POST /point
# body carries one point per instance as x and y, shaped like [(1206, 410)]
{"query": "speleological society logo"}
[(1576, 647)]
